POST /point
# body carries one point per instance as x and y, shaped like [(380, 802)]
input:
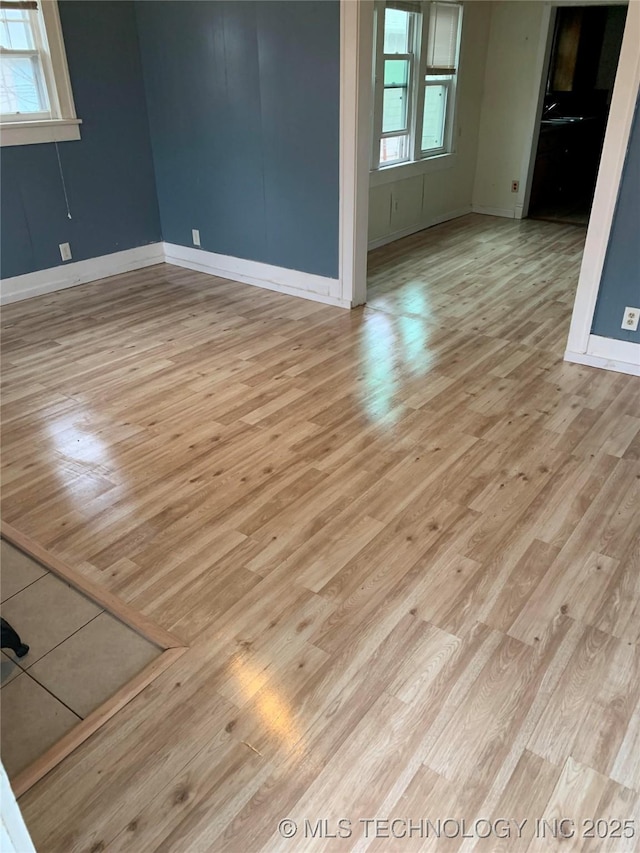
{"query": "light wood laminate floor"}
[(402, 543)]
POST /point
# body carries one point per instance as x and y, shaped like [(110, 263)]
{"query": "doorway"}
[(357, 29), (585, 49)]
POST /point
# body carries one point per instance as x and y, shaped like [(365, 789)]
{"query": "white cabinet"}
[(395, 207), (379, 212), (406, 203)]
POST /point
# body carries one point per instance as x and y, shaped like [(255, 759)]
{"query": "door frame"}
[(356, 58), (543, 61), (616, 141), (356, 45)]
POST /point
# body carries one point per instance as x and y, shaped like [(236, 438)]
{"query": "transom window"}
[(416, 65)]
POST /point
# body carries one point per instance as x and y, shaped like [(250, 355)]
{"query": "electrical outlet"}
[(515, 186), (195, 235), (65, 251), (630, 319)]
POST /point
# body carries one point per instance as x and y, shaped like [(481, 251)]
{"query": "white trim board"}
[(78, 272), (14, 835), (505, 212), (356, 52), (609, 354), (292, 282), (625, 93)]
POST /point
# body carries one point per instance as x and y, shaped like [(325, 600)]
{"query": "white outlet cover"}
[(65, 251), (630, 319), (195, 235)]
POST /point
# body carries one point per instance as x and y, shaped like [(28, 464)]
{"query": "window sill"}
[(389, 174), (36, 132)]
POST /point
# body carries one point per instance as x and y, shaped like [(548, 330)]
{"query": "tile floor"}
[(79, 655)]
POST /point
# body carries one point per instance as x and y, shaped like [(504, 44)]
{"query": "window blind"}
[(404, 5), (443, 38)]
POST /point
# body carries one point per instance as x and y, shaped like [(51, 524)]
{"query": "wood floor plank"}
[(573, 802), (402, 543)]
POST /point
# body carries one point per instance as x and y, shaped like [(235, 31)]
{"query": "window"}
[(416, 64), (36, 103)]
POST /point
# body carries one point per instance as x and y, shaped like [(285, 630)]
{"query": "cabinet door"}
[(379, 212), (406, 203)]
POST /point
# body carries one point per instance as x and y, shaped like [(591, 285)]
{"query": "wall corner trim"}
[(40, 282), (608, 354), (356, 50), (291, 282)]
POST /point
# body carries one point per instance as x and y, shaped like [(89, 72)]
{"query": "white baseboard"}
[(78, 272), (608, 354), (506, 212), (316, 287), (421, 226), (292, 282)]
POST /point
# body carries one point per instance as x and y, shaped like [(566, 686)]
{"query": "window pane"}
[(20, 87), (394, 110), (394, 149), (396, 72), (15, 30), (395, 96), (435, 110), (396, 31), (16, 36)]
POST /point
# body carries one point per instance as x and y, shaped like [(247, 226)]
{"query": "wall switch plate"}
[(195, 236), (630, 319), (515, 186), (65, 251)]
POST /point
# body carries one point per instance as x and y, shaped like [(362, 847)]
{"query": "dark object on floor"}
[(11, 640)]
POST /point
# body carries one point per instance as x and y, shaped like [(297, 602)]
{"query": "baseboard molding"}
[(505, 212), (78, 272), (421, 226), (291, 282), (608, 354)]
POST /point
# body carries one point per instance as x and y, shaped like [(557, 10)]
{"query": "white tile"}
[(16, 570), (47, 613), (32, 721), (90, 666), (8, 669)]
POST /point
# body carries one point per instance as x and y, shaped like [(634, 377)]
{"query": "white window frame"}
[(60, 124), (418, 84), (449, 83)]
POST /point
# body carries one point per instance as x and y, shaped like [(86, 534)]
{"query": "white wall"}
[(401, 201), (511, 87), (14, 836)]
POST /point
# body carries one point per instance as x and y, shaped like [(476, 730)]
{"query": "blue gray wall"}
[(108, 172), (243, 101), (620, 285)]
